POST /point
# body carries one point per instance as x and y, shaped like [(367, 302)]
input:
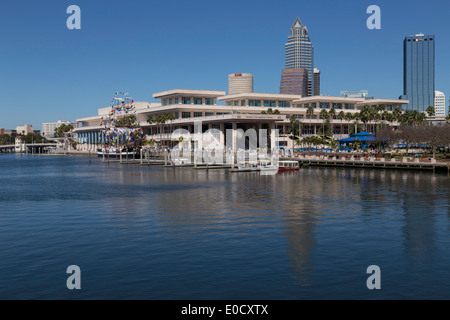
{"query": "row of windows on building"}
[(287, 104), (257, 103), (187, 100)]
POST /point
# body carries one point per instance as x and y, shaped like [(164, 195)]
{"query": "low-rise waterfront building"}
[(48, 128), (217, 110), (25, 129)]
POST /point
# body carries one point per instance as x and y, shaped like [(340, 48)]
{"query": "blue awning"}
[(360, 139), (359, 134)]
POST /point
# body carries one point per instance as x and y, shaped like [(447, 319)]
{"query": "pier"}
[(335, 160), (407, 163)]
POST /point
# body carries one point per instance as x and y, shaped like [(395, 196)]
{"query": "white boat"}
[(288, 165), (247, 167), (266, 168), (113, 152)]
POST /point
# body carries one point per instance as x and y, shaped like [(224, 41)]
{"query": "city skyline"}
[(55, 73)]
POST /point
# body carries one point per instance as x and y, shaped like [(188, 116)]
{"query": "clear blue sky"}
[(50, 73)]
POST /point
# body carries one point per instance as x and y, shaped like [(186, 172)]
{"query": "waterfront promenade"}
[(354, 160)]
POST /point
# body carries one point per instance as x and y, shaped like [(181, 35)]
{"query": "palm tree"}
[(373, 116), (294, 127), (323, 115), (381, 108), (271, 111), (430, 111), (151, 120), (310, 112), (332, 114), (341, 116), (348, 117), (169, 117), (397, 113), (365, 115), (416, 117)]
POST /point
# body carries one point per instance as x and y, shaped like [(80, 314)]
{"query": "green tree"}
[(323, 115), (341, 116), (295, 128), (310, 112), (397, 113), (62, 130)]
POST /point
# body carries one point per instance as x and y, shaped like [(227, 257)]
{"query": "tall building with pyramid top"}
[(299, 54)]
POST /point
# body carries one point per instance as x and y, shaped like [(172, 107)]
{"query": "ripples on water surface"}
[(179, 233)]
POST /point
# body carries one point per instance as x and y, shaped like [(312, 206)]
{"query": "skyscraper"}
[(316, 82), (418, 71), (299, 52), (294, 81)]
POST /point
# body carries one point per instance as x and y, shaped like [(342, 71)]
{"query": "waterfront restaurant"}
[(243, 111)]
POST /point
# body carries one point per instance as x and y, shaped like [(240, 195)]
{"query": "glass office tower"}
[(294, 81), (299, 52), (418, 72)]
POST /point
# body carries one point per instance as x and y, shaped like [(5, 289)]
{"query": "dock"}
[(336, 160), (373, 163)]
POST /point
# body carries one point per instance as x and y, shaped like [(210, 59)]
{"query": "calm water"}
[(165, 233)]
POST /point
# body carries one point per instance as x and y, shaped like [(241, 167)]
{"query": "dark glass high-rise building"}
[(299, 52), (316, 82), (418, 71), (294, 81)]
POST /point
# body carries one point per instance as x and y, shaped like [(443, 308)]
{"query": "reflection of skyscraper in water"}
[(300, 225), (418, 230)]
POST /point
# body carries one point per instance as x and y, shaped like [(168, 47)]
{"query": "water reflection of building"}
[(418, 204)]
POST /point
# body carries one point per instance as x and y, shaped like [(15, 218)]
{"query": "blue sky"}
[(50, 73)]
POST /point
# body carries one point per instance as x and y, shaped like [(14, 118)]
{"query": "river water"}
[(147, 232)]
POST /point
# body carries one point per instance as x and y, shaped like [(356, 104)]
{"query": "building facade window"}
[(170, 101), (198, 114), (186, 100), (284, 104), (198, 101), (207, 114), (176, 100), (324, 105), (185, 114), (242, 103), (254, 103), (269, 103), (209, 101)]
